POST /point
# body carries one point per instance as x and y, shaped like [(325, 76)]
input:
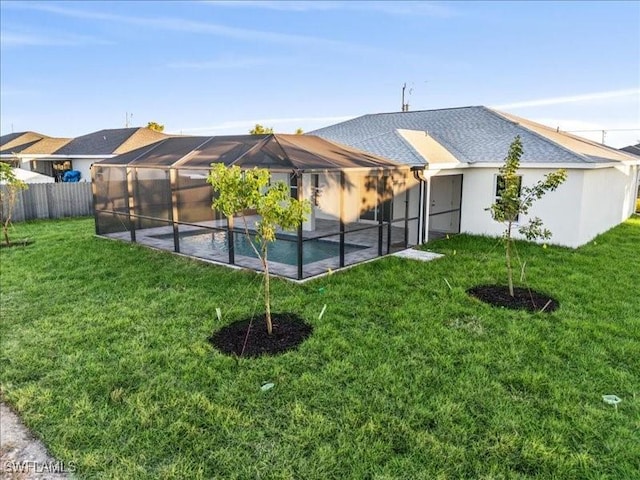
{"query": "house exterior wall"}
[(560, 211), (608, 198), (589, 202), (356, 200), (83, 165)]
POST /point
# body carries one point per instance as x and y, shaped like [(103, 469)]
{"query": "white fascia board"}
[(447, 166), (553, 166)]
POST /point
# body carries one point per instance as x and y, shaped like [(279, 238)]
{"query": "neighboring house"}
[(53, 156), (18, 141), (14, 143), (461, 150)]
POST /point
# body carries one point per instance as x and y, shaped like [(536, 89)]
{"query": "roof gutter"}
[(418, 172)]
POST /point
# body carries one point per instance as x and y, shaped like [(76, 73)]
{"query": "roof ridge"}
[(396, 113), (570, 135), (580, 156), (419, 111), (277, 140)]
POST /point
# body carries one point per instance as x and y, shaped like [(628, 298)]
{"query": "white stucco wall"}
[(590, 202), (560, 210), (608, 198), (355, 198), (83, 165)]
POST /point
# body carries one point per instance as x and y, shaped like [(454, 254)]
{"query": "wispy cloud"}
[(224, 63), (182, 25), (10, 39), (421, 8), (269, 122), (588, 97), (191, 26)]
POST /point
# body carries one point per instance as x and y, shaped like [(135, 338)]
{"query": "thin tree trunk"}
[(267, 300), (10, 202), (5, 231), (509, 269)]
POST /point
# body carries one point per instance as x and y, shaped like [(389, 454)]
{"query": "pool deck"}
[(368, 238)]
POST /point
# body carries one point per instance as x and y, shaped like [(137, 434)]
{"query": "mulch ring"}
[(289, 331), (523, 298)]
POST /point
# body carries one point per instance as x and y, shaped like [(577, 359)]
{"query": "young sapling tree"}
[(8, 196), (515, 200), (238, 191)]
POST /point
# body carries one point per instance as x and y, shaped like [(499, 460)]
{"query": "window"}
[(500, 186)]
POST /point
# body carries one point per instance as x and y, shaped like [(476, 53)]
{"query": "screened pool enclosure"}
[(363, 206)]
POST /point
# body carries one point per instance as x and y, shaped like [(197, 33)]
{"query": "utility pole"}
[(127, 118)]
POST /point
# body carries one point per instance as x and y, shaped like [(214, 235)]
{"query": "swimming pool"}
[(281, 251)]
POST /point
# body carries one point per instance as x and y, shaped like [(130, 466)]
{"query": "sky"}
[(220, 67)]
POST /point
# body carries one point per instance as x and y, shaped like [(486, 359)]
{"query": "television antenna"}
[(405, 103), (405, 106)]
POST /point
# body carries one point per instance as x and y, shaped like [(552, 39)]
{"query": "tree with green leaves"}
[(10, 185), (299, 131), (515, 200), (239, 190), (155, 126), (261, 130)]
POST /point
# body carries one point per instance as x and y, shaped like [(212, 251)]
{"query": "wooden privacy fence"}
[(53, 200)]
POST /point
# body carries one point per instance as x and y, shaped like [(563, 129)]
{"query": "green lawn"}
[(105, 356)]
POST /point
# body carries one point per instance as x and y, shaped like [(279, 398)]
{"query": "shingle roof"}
[(111, 141), (633, 149), (471, 134), (18, 141), (46, 146)]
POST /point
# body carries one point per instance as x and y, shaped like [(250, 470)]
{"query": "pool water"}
[(281, 251)]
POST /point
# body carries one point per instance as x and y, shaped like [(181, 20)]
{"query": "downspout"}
[(418, 174)]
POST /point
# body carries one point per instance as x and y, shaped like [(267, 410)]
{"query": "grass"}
[(105, 356)]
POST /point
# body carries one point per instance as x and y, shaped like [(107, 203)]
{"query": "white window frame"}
[(497, 196)]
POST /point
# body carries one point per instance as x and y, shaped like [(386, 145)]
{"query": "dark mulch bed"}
[(17, 243), (289, 331), (523, 298)]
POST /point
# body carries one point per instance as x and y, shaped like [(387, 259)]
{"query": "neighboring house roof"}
[(110, 142), (633, 149), (275, 151), (18, 141), (46, 146), (473, 135)]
